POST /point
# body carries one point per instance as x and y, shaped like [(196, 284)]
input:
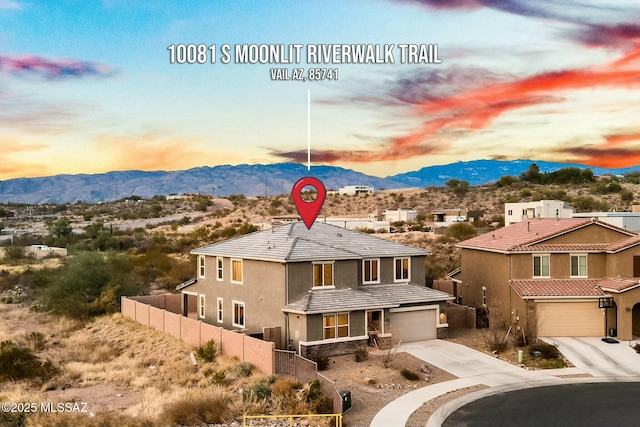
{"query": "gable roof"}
[(294, 242), (522, 237)]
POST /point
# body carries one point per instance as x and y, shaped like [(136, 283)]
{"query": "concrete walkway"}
[(473, 367)]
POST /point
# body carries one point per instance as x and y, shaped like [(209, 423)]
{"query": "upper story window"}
[(578, 266), (219, 269), (401, 269), (371, 271), (201, 266), (323, 274), (236, 271), (541, 265)]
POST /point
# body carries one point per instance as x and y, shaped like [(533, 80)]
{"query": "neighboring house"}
[(555, 277), (627, 220), (394, 215), (330, 290), (357, 223), (354, 190), (516, 212), (449, 216)]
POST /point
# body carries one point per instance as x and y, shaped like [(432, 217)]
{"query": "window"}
[(636, 266), (322, 274), (541, 266), (484, 296), (401, 269), (336, 326), (201, 269), (371, 273), (201, 306), (578, 266), (375, 321), (220, 310), (238, 314), (219, 269), (509, 212), (236, 271)]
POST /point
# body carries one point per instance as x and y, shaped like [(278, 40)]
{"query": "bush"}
[(18, 363), (285, 386), (323, 362), (243, 369), (219, 377), (548, 351), (360, 355), (409, 375), (207, 351), (259, 391), (211, 406)]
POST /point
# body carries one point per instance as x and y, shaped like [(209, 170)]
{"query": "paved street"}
[(594, 360)]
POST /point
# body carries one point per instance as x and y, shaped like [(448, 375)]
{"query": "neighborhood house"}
[(327, 290), (556, 277)]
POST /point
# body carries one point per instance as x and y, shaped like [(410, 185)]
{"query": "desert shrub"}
[(207, 351), (219, 377), (243, 369), (270, 379), (323, 362), (35, 340), (15, 253), (548, 351), (285, 386), (494, 336), (409, 374), (213, 405), (258, 391), (15, 419), (519, 340), (18, 363), (461, 231), (360, 355)]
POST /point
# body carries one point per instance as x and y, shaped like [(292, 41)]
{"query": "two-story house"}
[(329, 289), (556, 277)]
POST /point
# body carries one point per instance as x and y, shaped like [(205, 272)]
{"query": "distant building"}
[(627, 220), (394, 215), (449, 216), (354, 190), (358, 223), (516, 212)]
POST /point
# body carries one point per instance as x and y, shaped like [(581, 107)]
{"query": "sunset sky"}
[(88, 87)]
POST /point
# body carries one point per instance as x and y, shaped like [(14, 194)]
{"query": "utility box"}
[(613, 332), (345, 395)]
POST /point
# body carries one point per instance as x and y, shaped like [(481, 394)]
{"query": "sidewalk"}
[(472, 367)]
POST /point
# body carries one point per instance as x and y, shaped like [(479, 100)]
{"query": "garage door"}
[(414, 325), (572, 319)]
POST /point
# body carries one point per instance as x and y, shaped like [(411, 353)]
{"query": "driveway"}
[(597, 358), (589, 356)]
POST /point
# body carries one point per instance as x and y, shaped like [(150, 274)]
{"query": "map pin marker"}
[(308, 210)]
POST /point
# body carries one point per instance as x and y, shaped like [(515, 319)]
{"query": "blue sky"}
[(87, 87)]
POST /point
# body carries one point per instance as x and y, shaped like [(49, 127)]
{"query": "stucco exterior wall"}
[(475, 275), (593, 233)]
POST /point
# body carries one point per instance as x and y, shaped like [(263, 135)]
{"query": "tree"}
[(60, 227), (461, 231), (532, 174), (92, 284)]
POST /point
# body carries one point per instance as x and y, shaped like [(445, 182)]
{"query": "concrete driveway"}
[(597, 358)]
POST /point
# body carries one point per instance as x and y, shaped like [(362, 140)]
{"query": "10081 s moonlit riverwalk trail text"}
[(313, 54)]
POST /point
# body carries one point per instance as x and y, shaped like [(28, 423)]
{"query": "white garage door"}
[(414, 325), (572, 319)]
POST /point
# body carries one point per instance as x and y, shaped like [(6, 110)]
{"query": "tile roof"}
[(577, 288), (364, 298), (333, 300), (404, 293), (530, 236), (294, 242)]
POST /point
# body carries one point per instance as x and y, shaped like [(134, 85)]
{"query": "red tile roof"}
[(523, 235), (577, 288)]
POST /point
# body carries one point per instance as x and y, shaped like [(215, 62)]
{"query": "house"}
[(404, 214), (516, 212), (354, 190), (626, 220), (449, 216), (556, 277), (329, 290)]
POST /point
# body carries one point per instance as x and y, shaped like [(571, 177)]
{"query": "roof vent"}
[(339, 234)]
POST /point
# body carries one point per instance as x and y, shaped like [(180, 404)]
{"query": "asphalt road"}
[(582, 404)]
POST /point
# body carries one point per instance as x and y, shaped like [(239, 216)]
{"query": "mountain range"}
[(253, 180)]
